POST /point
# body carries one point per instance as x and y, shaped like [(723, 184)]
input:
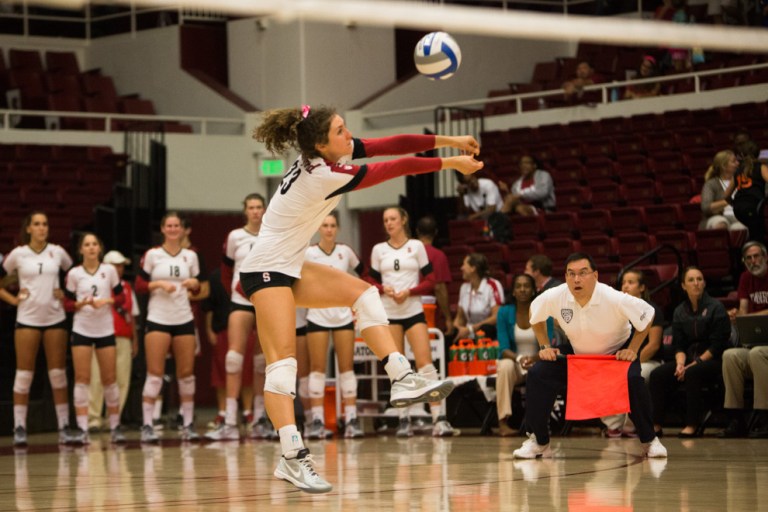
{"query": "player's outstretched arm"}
[(466, 143)]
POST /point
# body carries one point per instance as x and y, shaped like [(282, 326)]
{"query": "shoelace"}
[(308, 462)]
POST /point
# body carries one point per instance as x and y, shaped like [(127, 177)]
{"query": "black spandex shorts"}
[(187, 329), (321, 328), (407, 323), (255, 281), (78, 340), (301, 331), (233, 306), (60, 325)]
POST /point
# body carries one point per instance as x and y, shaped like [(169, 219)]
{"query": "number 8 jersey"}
[(157, 264), (399, 268)]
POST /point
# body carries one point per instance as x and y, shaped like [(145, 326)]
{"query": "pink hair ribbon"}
[(304, 111)]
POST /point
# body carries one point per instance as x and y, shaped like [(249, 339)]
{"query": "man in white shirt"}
[(480, 196), (597, 320)]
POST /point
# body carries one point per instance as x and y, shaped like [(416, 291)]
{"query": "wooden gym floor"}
[(466, 473)]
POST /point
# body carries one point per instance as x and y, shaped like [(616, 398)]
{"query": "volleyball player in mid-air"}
[(276, 278)]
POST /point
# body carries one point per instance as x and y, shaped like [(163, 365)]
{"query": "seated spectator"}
[(539, 267), (700, 332), (531, 192), (480, 197), (751, 178), (479, 299), (585, 75), (716, 211), (648, 69), (518, 348), (633, 283), (744, 362)]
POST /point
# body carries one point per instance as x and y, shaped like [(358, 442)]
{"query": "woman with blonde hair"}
[(716, 211)]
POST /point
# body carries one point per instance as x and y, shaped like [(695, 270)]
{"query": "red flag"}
[(597, 386)]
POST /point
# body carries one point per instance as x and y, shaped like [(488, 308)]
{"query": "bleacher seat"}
[(456, 255), (571, 198), (558, 249), (713, 254), (683, 241), (629, 219), (495, 253), (525, 228), (606, 195), (594, 222), (460, 231), (602, 248), (640, 191), (661, 217), (558, 225), (519, 251), (633, 245)]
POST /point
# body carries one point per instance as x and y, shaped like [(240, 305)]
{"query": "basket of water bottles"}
[(473, 357)]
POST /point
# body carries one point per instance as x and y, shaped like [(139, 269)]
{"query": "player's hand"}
[(527, 362), (626, 355), (465, 164), (467, 143), (388, 291), (97, 303), (168, 287), (191, 284), (401, 296), (680, 372), (549, 354), (58, 294)]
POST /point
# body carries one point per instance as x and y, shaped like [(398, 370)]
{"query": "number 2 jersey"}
[(399, 267), (39, 273), (343, 258), (312, 188), (157, 264), (90, 321)]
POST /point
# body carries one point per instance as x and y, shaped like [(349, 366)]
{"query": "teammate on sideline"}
[(337, 322), (596, 318), (395, 266), (241, 322), (40, 317), (168, 273), (91, 290), (276, 278)]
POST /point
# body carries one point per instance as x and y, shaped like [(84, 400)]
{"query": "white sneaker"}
[(116, 435), (317, 430), (532, 450), (78, 437), (223, 432), (352, 429), (300, 471), (404, 429), (148, 435), (654, 449), (188, 433), (20, 436), (443, 429), (415, 388), (262, 429)]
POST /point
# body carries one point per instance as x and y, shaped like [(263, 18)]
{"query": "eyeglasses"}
[(581, 273)]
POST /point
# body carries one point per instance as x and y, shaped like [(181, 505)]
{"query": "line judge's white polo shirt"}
[(600, 327)]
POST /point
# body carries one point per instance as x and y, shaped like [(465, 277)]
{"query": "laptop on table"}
[(753, 330)]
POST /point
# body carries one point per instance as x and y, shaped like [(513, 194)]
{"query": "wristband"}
[(698, 359), (543, 347)]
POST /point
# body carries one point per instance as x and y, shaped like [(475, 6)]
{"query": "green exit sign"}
[(272, 167)]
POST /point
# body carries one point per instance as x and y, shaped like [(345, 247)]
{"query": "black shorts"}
[(78, 340), (233, 306), (60, 325), (255, 281), (301, 331), (407, 323), (187, 329), (311, 327)]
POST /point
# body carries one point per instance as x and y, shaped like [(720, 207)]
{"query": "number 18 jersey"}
[(159, 265)]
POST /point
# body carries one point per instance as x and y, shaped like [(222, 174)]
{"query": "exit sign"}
[(272, 167)]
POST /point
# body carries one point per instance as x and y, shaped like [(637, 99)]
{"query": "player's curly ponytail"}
[(297, 128)]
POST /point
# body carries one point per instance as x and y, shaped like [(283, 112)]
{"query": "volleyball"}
[(437, 56)]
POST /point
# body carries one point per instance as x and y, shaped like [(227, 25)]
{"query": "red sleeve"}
[(380, 172), (141, 285), (227, 272), (398, 145), (69, 305), (425, 287), (119, 298)]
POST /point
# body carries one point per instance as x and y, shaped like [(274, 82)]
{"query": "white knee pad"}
[(112, 395), (187, 386), (23, 382), (428, 371), (281, 377), (259, 364), (348, 383), (304, 387), (58, 378), (81, 395), (370, 310), (233, 363), (316, 385), (152, 386)]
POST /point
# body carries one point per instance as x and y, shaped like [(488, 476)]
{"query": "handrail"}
[(604, 87), (649, 254)]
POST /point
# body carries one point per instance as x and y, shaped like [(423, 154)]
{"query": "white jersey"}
[(81, 284), (39, 274), (476, 305), (602, 326), (239, 243), (343, 258), (159, 265), (400, 268)]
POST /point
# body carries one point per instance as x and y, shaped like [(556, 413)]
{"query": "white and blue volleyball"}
[(437, 56)]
